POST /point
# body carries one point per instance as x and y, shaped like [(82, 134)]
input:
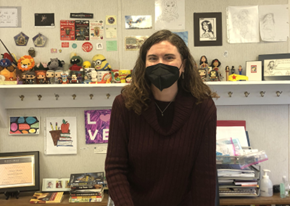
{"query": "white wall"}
[(268, 126)]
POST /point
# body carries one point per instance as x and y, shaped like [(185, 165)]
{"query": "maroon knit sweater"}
[(147, 165)]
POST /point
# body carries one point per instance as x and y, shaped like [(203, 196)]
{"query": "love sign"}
[(97, 123)]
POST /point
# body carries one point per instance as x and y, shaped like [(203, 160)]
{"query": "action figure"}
[(50, 76), (74, 79), (203, 74), (227, 69), (40, 76), (240, 70), (30, 77), (233, 71), (215, 66)]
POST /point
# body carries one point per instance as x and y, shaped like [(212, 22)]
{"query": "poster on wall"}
[(67, 30), (10, 17), (61, 135), (82, 30), (97, 123), (24, 125), (138, 22), (97, 29), (44, 20), (169, 14)]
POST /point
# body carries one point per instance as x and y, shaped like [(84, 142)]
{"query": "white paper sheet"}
[(169, 14), (274, 24), (242, 24), (233, 132)]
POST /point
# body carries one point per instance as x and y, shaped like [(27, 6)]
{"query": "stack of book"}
[(236, 182), (64, 140), (48, 197), (86, 187)]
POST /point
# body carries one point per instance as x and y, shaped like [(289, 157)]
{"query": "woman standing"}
[(162, 136)]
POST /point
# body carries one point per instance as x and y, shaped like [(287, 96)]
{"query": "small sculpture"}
[(233, 71), (50, 76), (227, 70), (240, 70), (100, 63), (215, 66)]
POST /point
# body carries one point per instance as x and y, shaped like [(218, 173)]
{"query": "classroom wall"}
[(268, 125)]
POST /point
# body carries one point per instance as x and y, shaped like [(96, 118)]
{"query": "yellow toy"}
[(86, 64), (100, 63), (25, 63), (237, 77)]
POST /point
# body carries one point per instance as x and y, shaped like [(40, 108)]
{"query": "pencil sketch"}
[(169, 11), (267, 27), (277, 67), (207, 29), (243, 24)]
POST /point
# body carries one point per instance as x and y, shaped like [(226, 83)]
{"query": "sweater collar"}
[(182, 109)]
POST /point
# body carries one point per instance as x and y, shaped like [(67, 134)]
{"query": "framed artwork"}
[(275, 66), (207, 29), (10, 17), (55, 184), (24, 125), (254, 70)]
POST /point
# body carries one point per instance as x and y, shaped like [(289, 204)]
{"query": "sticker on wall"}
[(61, 135), (21, 39), (53, 50), (97, 123), (44, 20), (87, 47), (74, 45), (99, 46), (24, 125), (111, 20), (39, 40), (64, 44), (112, 45)]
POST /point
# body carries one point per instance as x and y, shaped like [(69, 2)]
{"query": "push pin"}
[(21, 97), (246, 94), (74, 96), (39, 97), (262, 93), (56, 96), (230, 94), (278, 93), (108, 95), (91, 96)]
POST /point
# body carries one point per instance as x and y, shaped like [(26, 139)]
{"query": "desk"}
[(24, 198), (275, 199)]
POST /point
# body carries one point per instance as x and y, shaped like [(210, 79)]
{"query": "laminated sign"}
[(97, 123)]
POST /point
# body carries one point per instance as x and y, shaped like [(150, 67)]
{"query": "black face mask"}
[(162, 75)]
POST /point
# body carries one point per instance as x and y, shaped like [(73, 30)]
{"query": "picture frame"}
[(24, 125), (55, 185), (207, 29), (254, 70), (10, 17), (275, 66), (27, 166)]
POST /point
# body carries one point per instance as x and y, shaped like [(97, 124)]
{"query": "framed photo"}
[(254, 70), (207, 29), (55, 184), (275, 66)]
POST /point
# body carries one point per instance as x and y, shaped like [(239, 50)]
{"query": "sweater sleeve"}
[(204, 171), (116, 164)]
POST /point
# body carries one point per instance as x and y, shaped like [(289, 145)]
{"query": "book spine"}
[(85, 200), (85, 194), (83, 197)]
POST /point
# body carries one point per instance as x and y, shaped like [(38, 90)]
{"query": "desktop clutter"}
[(239, 172), (212, 73), (26, 71)]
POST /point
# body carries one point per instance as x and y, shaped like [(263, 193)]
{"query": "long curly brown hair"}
[(137, 94)]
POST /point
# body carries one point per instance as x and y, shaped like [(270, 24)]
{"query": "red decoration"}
[(64, 126), (87, 47)]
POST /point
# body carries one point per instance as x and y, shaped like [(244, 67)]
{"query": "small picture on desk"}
[(66, 184), (49, 185), (58, 184)]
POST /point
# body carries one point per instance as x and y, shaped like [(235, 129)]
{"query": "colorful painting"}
[(24, 125), (97, 123), (61, 135)]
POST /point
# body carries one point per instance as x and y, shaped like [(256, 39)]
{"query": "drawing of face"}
[(204, 25), (170, 6)]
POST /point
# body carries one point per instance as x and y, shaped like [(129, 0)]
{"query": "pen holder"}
[(55, 134)]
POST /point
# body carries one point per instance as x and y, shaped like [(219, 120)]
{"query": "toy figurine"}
[(86, 79), (50, 76), (100, 63), (30, 77), (227, 69), (93, 76), (64, 79), (77, 63), (74, 79), (40, 77), (233, 70), (86, 64), (25, 63), (215, 66), (203, 62), (203, 74), (55, 64), (8, 70), (240, 69), (213, 74), (57, 76), (23, 77)]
